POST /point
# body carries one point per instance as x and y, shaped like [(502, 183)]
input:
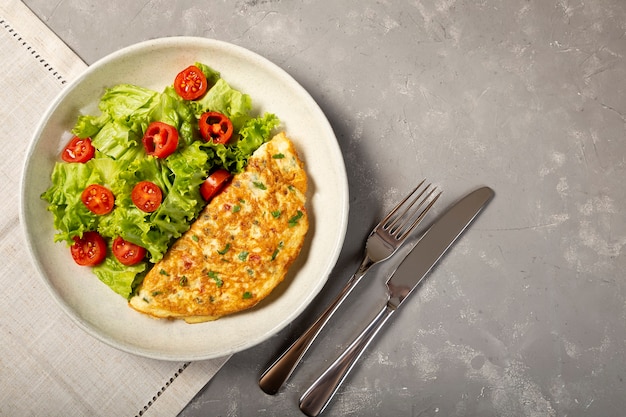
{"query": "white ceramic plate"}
[(104, 314)]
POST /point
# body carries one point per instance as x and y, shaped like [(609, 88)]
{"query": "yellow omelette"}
[(240, 247)]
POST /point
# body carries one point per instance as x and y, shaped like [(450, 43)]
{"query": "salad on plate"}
[(133, 178)]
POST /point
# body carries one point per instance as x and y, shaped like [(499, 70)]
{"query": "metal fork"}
[(383, 241)]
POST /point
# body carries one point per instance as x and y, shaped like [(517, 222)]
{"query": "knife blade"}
[(402, 282)]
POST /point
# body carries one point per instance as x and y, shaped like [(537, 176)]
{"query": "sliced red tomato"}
[(216, 127), (98, 199), (147, 196), (190, 83), (127, 252), (89, 250), (78, 150), (214, 184), (160, 139)]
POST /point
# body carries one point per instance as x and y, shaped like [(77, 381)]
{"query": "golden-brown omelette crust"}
[(240, 247)]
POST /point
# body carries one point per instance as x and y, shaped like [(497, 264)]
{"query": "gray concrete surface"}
[(526, 317)]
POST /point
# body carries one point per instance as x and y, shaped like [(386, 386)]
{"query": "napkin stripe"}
[(7, 26), (162, 390)]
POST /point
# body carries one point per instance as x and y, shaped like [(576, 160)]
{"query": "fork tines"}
[(400, 224)]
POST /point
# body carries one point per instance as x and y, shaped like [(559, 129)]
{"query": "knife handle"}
[(319, 394), (276, 375)]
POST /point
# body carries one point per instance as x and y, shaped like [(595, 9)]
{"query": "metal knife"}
[(403, 281)]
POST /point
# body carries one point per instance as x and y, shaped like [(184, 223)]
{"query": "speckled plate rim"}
[(105, 315)]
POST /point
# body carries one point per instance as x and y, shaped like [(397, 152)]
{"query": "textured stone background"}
[(527, 316)]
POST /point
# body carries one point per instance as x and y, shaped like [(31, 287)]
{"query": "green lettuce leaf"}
[(254, 133), (234, 156), (120, 278), (174, 111), (224, 99), (126, 100), (211, 75), (89, 126), (71, 217)]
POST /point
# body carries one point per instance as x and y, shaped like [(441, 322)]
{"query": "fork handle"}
[(276, 375), (319, 394)]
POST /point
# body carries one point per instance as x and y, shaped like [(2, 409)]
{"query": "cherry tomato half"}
[(98, 199), (78, 150), (147, 196), (89, 250), (190, 83), (126, 252), (160, 139), (214, 184), (216, 127)]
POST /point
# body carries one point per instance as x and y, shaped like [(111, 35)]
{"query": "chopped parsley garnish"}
[(155, 293), (226, 249), (195, 238), (294, 220), (259, 185), (243, 256), (280, 246), (247, 295), (236, 208), (164, 272), (276, 213), (217, 279), (183, 281), (278, 156)]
